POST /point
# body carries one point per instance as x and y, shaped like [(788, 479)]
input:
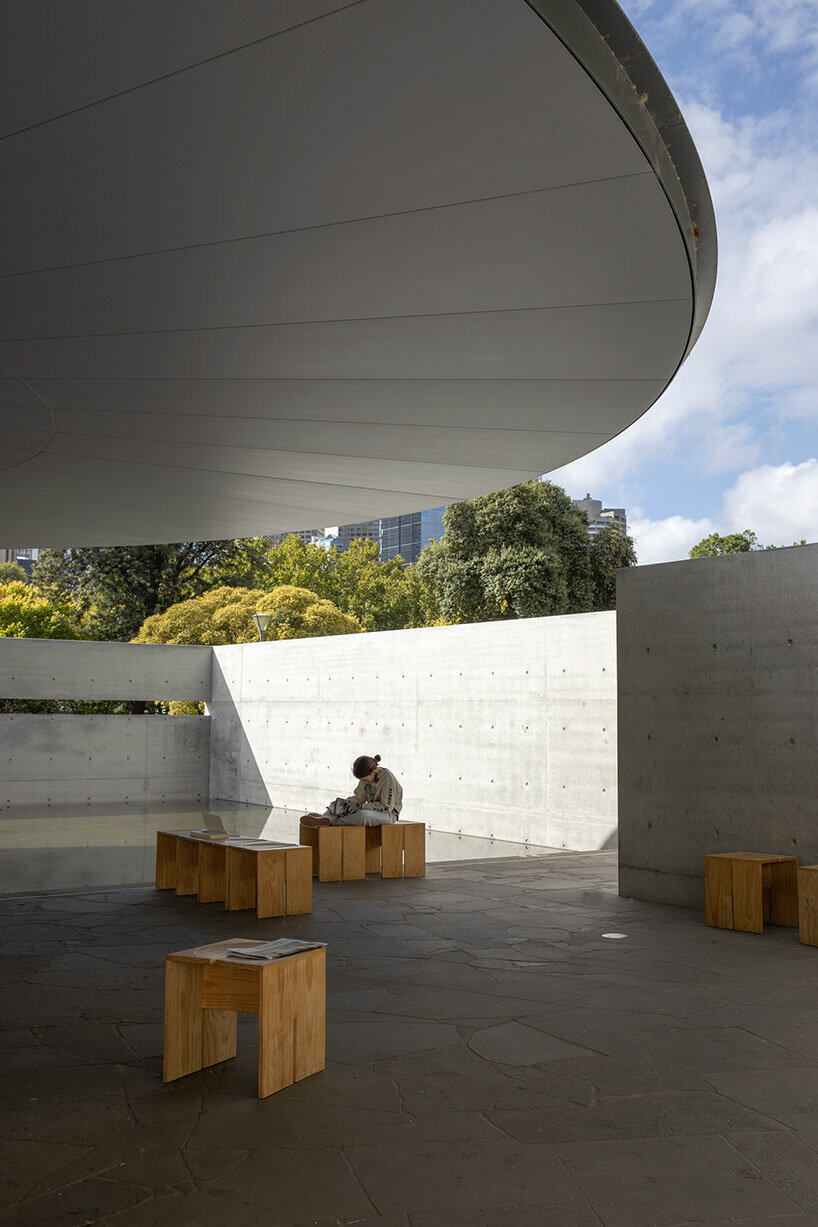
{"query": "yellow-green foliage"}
[(225, 615), (27, 614), (185, 707)]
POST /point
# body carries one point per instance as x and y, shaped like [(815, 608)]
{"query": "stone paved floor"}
[(493, 1060)]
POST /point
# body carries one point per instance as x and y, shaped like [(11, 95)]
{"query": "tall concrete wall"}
[(504, 729), (718, 707), (61, 759), (50, 760)]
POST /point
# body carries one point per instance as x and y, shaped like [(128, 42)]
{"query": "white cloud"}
[(743, 31), (667, 540), (778, 502)]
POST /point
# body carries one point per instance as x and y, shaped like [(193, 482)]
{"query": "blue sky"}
[(733, 443)]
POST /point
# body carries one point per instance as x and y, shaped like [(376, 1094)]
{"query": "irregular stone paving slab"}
[(91, 1200), (789, 1096), (665, 1114), (798, 1037), (648, 1183), (492, 1063), (784, 1160), (367, 1040), (574, 1215), (479, 1174), (515, 1044)]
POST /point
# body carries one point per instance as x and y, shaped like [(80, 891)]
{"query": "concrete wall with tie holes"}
[(50, 760), (502, 729), (718, 710)]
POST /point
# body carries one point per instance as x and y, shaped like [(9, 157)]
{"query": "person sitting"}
[(376, 801)]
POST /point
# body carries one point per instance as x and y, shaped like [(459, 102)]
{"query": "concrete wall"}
[(505, 729), (718, 707), (60, 759), (67, 760), (67, 669)]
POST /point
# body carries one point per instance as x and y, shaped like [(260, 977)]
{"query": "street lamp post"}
[(262, 621)]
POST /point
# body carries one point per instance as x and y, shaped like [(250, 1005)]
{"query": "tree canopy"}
[(381, 595), (732, 543), (116, 588), (225, 615), (12, 572), (27, 614), (609, 550), (519, 553)]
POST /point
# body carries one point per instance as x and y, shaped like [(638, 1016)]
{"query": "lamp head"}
[(262, 621)]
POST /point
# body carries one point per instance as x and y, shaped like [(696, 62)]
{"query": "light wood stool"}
[(338, 853), (204, 988), (274, 879), (808, 904), (743, 889), (394, 850)]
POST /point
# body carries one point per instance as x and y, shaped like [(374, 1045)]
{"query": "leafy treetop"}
[(225, 615), (519, 553), (12, 572), (732, 543), (116, 588), (381, 595), (27, 614), (609, 550)]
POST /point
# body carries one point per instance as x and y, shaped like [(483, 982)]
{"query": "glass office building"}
[(408, 535)]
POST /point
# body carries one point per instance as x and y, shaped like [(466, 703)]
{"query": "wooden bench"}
[(343, 854), (808, 904), (742, 890), (275, 879), (204, 988)]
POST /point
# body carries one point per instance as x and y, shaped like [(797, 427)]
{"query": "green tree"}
[(733, 543), (610, 549), (381, 595), (520, 553), (12, 572), (225, 615), (27, 614), (116, 588)]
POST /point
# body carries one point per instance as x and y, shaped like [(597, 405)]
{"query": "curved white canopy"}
[(274, 265)]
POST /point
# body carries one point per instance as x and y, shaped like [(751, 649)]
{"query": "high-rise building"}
[(25, 558), (341, 535), (600, 517), (307, 535), (408, 535)]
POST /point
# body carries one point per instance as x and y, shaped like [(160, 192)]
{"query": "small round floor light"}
[(262, 621)]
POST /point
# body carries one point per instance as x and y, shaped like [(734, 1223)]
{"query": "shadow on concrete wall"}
[(235, 774)]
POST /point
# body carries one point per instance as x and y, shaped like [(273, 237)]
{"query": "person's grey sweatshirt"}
[(384, 795)]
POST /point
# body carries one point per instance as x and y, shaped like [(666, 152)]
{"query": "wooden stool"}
[(275, 879), (808, 904), (338, 853), (743, 889), (394, 850), (397, 850), (204, 988)]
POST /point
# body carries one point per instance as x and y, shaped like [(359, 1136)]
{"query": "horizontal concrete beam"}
[(67, 669)]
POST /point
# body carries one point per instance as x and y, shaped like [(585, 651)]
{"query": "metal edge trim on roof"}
[(601, 38)]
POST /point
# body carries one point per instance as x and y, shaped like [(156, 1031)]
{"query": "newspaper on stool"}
[(278, 949)]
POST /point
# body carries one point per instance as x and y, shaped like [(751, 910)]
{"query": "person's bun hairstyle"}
[(365, 765)]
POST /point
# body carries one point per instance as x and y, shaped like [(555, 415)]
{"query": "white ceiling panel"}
[(273, 265)]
